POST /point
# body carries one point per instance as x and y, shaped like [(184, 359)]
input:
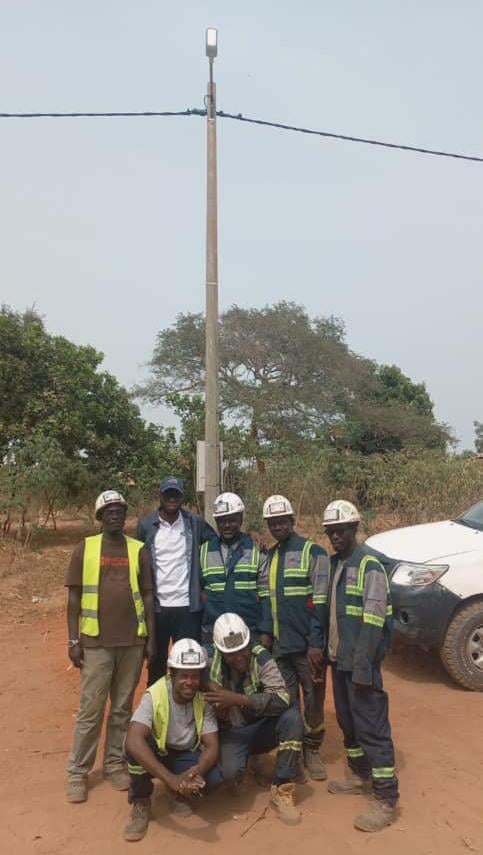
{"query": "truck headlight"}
[(418, 575)]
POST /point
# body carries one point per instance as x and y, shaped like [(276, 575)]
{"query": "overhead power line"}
[(240, 118)]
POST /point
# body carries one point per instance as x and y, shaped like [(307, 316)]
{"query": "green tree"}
[(53, 388), (289, 381)]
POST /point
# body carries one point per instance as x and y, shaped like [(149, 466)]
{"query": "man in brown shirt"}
[(110, 623)]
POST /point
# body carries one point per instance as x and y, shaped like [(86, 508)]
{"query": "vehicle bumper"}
[(422, 615)]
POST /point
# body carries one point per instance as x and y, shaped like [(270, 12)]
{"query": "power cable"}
[(238, 117)]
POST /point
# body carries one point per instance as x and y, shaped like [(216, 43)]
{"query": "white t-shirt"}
[(181, 728), (172, 568)]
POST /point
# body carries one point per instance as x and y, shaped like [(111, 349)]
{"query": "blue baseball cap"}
[(171, 483)]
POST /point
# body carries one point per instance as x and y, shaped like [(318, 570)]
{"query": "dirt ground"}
[(436, 726)]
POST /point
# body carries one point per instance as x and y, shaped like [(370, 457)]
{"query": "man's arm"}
[(272, 700), (374, 614), (319, 577), (73, 581), (209, 752), (265, 620), (148, 600), (76, 654), (138, 749)]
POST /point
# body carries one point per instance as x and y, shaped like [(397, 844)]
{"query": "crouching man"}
[(172, 737), (251, 699)]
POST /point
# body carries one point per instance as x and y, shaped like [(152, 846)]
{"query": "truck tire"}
[(462, 648)]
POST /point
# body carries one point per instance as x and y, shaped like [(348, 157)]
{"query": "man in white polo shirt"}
[(173, 537)]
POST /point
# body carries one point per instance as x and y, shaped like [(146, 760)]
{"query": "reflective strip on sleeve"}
[(302, 591)]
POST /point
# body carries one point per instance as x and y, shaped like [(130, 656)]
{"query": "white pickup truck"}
[(436, 574)]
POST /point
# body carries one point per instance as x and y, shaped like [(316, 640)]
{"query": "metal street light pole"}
[(212, 444)]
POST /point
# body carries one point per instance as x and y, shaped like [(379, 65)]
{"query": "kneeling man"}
[(172, 737), (251, 700)]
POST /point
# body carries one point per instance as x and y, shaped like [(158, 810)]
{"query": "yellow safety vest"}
[(91, 569), (160, 698)]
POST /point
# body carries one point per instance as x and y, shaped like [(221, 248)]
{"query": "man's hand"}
[(189, 782), (222, 698), (266, 640), (76, 655), (150, 649), (316, 663)]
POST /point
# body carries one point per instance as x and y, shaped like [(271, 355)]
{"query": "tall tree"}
[(53, 388), (291, 381)]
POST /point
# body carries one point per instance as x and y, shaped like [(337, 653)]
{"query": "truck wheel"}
[(462, 649)]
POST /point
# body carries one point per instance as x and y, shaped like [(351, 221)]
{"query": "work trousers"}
[(295, 671), (171, 624), (141, 783), (107, 671), (363, 716), (284, 732)]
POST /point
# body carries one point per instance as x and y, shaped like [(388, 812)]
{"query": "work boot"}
[(281, 799), (77, 791), (378, 815), (351, 785), (181, 806), (138, 824), (119, 780), (313, 764)]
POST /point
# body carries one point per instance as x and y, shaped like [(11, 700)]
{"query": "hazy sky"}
[(102, 220)]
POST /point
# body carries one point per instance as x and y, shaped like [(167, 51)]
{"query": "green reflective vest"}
[(91, 569), (160, 698)]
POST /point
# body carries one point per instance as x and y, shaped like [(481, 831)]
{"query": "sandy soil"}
[(437, 731)]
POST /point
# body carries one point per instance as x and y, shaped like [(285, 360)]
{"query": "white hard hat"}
[(228, 503), (109, 497), (277, 506), (230, 633), (341, 511), (187, 653)]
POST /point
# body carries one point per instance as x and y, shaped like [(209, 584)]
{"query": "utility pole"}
[(212, 442)]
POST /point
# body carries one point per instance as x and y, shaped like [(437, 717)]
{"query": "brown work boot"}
[(77, 791), (313, 764), (351, 785), (281, 799), (119, 780), (378, 815), (138, 824)]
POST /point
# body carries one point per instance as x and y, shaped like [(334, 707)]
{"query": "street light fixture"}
[(211, 42), (212, 442)]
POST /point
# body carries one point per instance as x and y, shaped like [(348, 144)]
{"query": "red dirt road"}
[(437, 730)]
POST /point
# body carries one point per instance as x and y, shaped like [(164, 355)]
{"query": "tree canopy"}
[(64, 420), (291, 381)]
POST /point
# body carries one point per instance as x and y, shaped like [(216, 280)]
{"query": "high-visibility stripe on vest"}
[(354, 595), (214, 573), (160, 698), (296, 580), (91, 570)]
